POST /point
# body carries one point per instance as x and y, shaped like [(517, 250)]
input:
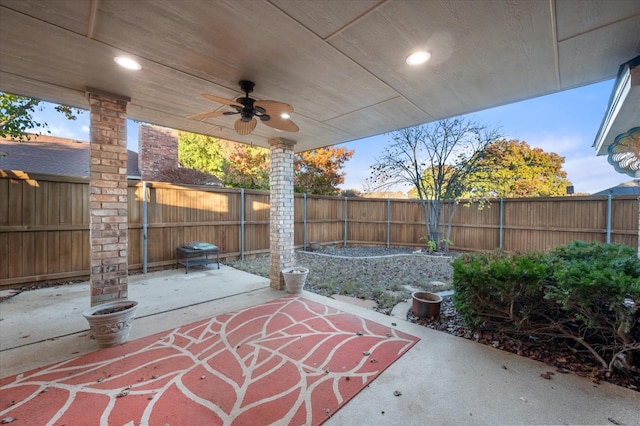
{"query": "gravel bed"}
[(371, 273)]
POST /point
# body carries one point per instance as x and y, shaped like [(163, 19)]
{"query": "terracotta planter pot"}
[(111, 322), (426, 304), (294, 279)]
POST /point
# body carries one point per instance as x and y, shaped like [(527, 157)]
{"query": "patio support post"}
[(281, 210), (145, 225), (304, 220), (388, 222), (609, 197), (344, 224), (242, 223), (108, 208), (501, 231)]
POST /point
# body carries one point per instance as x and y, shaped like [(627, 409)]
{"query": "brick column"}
[(108, 214), (281, 209)]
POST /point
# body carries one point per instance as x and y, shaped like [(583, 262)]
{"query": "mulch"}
[(562, 356)]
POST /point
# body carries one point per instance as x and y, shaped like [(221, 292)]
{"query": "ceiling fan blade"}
[(245, 127), (274, 108), (279, 123), (221, 100), (205, 115)]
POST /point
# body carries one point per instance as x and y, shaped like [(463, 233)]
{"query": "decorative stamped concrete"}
[(288, 361)]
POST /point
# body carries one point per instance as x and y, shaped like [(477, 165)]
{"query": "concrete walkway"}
[(442, 380)]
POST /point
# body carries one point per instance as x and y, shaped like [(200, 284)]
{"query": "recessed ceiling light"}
[(285, 115), (127, 63), (418, 58)]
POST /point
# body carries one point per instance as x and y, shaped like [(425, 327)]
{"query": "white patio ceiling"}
[(340, 63)]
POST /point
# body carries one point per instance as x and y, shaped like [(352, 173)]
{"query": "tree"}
[(236, 165), (351, 192), (200, 152), (435, 159), (243, 166), (16, 115), (514, 169), (246, 167), (318, 171)]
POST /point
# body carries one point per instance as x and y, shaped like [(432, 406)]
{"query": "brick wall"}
[(157, 151), (108, 198)]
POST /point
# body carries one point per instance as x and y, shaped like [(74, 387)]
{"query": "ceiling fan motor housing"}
[(249, 111)]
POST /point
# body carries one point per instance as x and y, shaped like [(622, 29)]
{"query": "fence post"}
[(344, 227), (609, 219), (501, 231), (241, 223), (388, 221), (145, 225), (304, 221)]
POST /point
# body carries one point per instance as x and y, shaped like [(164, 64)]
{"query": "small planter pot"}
[(111, 322), (314, 246), (294, 279), (426, 304)]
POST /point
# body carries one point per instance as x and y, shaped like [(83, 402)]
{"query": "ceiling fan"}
[(272, 113)]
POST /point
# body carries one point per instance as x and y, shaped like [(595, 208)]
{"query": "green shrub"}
[(493, 290), (585, 292), (598, 286)]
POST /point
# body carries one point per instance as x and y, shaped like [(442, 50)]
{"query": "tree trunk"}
[(452, 212), (434, 216), (425, 214)]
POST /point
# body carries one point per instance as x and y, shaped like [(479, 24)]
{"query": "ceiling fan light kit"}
[(272, 113)]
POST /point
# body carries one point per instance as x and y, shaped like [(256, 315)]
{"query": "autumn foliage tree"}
[(236, 165), (246, 167), (515, 169), (318, 171), (243, 166)]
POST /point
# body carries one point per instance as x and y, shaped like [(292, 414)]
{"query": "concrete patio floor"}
[(442, 380)]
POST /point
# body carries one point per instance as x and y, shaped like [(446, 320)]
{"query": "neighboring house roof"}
[(67, 157), (631, 187), (54, 156)]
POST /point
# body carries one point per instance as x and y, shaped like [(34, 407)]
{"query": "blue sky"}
[(565, 123)]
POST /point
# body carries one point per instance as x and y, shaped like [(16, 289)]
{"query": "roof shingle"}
[(54, 156)]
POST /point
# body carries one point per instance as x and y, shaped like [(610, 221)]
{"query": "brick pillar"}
[(281, 209), (108, 197)]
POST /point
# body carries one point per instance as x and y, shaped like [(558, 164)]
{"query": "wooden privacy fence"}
[(44, 224)]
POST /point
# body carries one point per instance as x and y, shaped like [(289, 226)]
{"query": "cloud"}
[(62, 131), (592, 174), (567, 145)]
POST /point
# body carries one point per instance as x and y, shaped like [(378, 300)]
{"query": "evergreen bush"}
[(588, 293)]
